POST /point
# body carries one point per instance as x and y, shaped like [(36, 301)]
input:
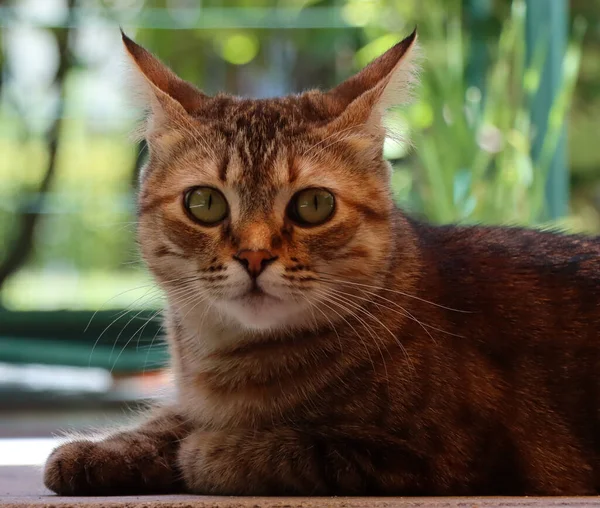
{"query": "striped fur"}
[(384, 357)]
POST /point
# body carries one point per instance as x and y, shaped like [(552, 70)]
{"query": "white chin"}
[(262, 312)]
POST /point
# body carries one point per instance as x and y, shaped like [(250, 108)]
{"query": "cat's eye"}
[(206, 205), (311, 207)]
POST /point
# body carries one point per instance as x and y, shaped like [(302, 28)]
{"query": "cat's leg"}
[(288, 462), (137, 461)]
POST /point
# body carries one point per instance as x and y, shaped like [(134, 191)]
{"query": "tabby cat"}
[(325, 343)]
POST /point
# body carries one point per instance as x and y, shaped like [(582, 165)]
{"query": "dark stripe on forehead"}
[(223, 168), (292, 167), (243, 156)]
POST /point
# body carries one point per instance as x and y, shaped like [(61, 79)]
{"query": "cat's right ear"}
[(167, 98), (387, 81)]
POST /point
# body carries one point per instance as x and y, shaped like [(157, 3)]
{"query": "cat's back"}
[(516, 286), (516, 311), (513, 261)]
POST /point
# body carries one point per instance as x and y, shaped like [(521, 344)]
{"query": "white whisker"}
[(382, 288), (336, 294), (328, 295)]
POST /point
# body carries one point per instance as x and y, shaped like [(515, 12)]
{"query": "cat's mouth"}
[(256, 291), (256, 295), (257, 308)]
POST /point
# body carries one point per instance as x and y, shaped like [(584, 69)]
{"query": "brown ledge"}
[(22, 486)]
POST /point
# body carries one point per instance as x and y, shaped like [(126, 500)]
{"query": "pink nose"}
[(254, 261)]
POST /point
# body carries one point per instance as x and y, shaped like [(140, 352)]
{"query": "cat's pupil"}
[(316, 202), (209, 200)]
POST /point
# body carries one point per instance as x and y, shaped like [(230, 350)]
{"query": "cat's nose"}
[(254, 261)]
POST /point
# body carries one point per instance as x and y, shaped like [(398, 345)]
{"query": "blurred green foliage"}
[(474, 152), (470, 160)]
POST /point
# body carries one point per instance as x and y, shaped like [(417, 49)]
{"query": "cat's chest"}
[(254, 390), (256, 383), (218, 400)]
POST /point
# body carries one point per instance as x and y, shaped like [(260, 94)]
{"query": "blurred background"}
[(504, 131)]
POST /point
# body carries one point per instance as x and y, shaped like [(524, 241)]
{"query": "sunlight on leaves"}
[(239, 49)]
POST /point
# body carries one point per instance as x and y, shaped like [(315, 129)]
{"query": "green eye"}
[(311, 207), (206, 205)]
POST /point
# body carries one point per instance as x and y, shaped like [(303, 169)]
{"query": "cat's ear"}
[(166, 96), (387, 81)]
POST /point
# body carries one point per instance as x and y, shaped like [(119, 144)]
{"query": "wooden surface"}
[(22, 486)]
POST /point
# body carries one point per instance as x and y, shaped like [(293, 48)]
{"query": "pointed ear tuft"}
[(387, 81), (162, 79)]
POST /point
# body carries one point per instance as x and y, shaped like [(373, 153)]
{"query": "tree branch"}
[(29, 214)]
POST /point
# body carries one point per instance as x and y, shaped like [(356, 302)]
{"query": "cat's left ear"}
[(168, 98), (387, 81)]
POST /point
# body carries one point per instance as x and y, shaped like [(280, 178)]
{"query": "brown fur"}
[(400, 358)]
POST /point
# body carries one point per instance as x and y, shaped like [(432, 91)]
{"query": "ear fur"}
[(386, 82), (166, 97)]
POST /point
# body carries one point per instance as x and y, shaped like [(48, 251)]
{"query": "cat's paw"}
[(70, 468), (111, 467), (208, 466)]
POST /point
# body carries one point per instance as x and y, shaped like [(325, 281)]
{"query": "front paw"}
[(219, 463), (112, 467), (203, 463), (249, 463)]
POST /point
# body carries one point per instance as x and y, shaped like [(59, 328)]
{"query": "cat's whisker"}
[(311, 306), (173, 295), (124, 328), (376, 340), (119, 316), (137, 344), (140, 330), (158, 345), (151, 285), (403, 312), (156, 293), (184, 296), (361, 308), (201, 298), (203, 317), (382, 288), (315, 325), (411, 315), (133, 262), (122, 225), (127, 225), (140, 154), (327, 295), (151, 347)]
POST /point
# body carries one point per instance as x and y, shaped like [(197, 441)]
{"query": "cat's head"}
[(270, 212)]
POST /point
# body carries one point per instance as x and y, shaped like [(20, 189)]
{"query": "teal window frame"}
[(58, 338)]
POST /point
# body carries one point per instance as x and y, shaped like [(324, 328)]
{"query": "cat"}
[(323, 342)]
